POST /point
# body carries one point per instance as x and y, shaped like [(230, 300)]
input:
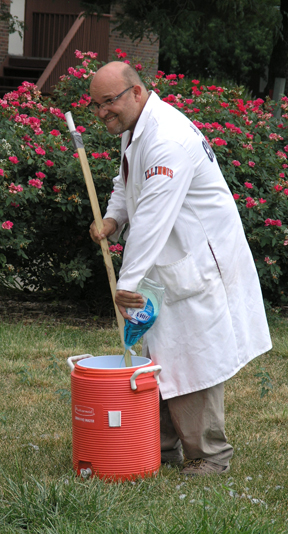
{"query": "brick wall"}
[(4, 37), (144, 52)]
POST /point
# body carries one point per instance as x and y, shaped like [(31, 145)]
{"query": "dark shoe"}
[(201, 467), (172, 457)]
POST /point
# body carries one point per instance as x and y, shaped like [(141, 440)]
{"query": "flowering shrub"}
[(45, 212)]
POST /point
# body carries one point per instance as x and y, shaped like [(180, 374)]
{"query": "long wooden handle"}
[(104, 243), (78, 143)]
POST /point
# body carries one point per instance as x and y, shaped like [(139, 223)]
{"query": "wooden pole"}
[(78, 143)]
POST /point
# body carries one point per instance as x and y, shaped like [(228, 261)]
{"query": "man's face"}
[(119, 115)]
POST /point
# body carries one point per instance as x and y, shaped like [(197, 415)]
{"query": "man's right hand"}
[(109, 227)]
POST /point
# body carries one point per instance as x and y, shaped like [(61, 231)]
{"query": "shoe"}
[(201, 467), (172, 457)]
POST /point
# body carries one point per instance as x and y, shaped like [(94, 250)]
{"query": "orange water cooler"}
[(115, 416)]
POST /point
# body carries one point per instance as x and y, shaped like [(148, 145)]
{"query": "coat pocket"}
[(181, 279)]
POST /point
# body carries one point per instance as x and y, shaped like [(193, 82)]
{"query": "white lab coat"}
[(186, 233)]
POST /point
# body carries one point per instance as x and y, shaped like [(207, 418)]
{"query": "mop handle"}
[(78, 144)]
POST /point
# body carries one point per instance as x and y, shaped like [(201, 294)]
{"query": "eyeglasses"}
[(95, 106)]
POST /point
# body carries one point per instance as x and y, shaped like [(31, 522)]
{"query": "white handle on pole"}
[(70, 122)]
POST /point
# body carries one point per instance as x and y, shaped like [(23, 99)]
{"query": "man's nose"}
[(102, 112)]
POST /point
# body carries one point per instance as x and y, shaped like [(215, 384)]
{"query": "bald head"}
[(117, 79), (117, 70)]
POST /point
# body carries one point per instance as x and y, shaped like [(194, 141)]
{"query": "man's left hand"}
[(127, 299)]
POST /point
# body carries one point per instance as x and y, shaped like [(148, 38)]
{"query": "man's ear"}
[(137, 92)]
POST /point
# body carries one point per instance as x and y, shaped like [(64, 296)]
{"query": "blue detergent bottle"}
[(143, 318)]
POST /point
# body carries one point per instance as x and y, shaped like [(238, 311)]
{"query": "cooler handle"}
[(76, 358), (156, 369)]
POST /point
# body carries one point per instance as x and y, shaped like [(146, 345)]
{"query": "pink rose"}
[(273, 222), (55, 132), (49, 163), (262, 201), (35, 183), (80, 129), (236, 196), (1, 172), (219, 141), (251, 163), (248, 185), (56, 189), (40, 174), (278, 187), (250, 202), (15, 188), (116, 248), (63, 148), (40, 151), (7, 225), (13, 159), (78, 54), (236, 163)]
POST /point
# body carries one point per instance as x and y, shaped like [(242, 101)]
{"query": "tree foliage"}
[(278, 66), (209, 38)]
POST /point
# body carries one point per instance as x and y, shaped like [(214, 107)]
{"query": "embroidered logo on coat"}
[(159, 170)]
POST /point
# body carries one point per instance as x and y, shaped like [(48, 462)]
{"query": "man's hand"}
[(109, 227), (127, 299)]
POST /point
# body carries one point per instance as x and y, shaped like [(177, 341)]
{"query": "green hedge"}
[(45, 212)]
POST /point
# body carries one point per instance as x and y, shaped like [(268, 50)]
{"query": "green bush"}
[(44, 220), (43, 192)]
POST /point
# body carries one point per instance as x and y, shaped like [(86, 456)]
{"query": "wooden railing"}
[(86, 34)]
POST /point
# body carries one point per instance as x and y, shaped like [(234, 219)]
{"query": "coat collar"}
[(143, 119)]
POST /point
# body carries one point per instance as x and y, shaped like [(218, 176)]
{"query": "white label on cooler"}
[(114, 419)]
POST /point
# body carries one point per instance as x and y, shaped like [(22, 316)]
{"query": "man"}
[(184, 232)]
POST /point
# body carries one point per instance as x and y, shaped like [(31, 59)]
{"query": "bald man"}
[(184, 231)]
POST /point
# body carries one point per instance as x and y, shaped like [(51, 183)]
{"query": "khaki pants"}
[(195, 422)]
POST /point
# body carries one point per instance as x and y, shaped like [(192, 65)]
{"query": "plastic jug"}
[(143, 318)]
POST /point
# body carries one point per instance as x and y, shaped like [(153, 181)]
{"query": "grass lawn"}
[(39, 492)]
